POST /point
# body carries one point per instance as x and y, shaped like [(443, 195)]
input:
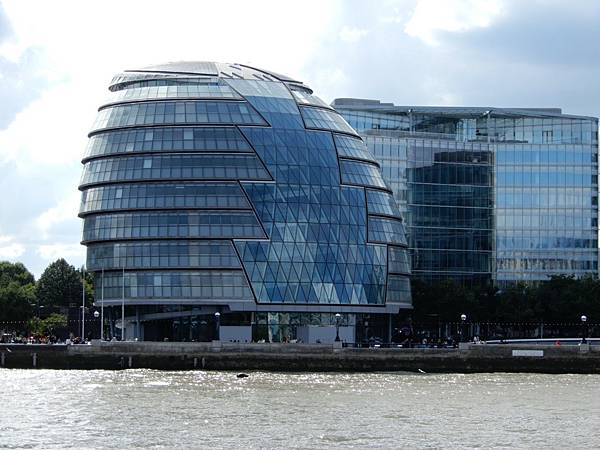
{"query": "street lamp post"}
[(83, 304), (96, 315), (123, 306), (218, 323), (584, 329), (102, 309), (463, 320), (337, 327)]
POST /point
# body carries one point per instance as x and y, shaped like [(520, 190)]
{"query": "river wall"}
[(302, 357)]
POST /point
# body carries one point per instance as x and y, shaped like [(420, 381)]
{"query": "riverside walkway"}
[(468, 358)]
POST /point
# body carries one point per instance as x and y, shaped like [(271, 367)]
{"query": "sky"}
[(57, 58)]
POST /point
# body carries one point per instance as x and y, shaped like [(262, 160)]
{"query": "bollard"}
[(2, 356), (203, 362), (34, 358), (130, 361), (195, 362)]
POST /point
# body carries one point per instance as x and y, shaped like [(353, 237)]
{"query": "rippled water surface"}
[(144, 408)]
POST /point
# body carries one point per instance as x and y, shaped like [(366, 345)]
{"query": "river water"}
[(144, 408)]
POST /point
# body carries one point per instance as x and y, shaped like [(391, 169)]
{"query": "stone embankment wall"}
[(302, 357)]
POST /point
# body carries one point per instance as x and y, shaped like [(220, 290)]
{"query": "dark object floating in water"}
[(242, 375)]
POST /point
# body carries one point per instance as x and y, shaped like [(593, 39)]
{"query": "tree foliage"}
[(14, 273), (16, 302), (17, 292), (560, 299), (60, 285), (48, 326)]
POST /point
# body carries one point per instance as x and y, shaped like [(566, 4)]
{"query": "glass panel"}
[(200, 224), (362, 174), (398, 289), (176, 112), (305, 97), (163, 254), (162, 196), (379, 202), (167, 139), (324, 119), (199, 284), (169, 89), (398, 260), (352, 147), (174, 167), (384, 230)]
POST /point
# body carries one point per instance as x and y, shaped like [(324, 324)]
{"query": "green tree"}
[(54, 322), (561, 299), (517, 303), (441, 300), (50, 325), (89, 287), (17, 294), (16, 302), (60, 285), (565, 299), (14, 273)]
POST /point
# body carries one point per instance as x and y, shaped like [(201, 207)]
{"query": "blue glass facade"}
[(213, 187), (504, 195)]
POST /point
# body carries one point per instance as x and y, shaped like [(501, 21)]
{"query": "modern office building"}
[(489, 194), (225, 201)]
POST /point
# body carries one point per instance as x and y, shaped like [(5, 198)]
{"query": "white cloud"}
[(395, 12), (10, 250), (432, 16), (51, 131), (53, 252), (331, 79), (65, 210), (352, 34), (77, 55)]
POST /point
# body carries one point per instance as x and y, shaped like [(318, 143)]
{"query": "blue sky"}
[(56, 59)]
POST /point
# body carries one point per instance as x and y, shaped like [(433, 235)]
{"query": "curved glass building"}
[(220, 188)]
